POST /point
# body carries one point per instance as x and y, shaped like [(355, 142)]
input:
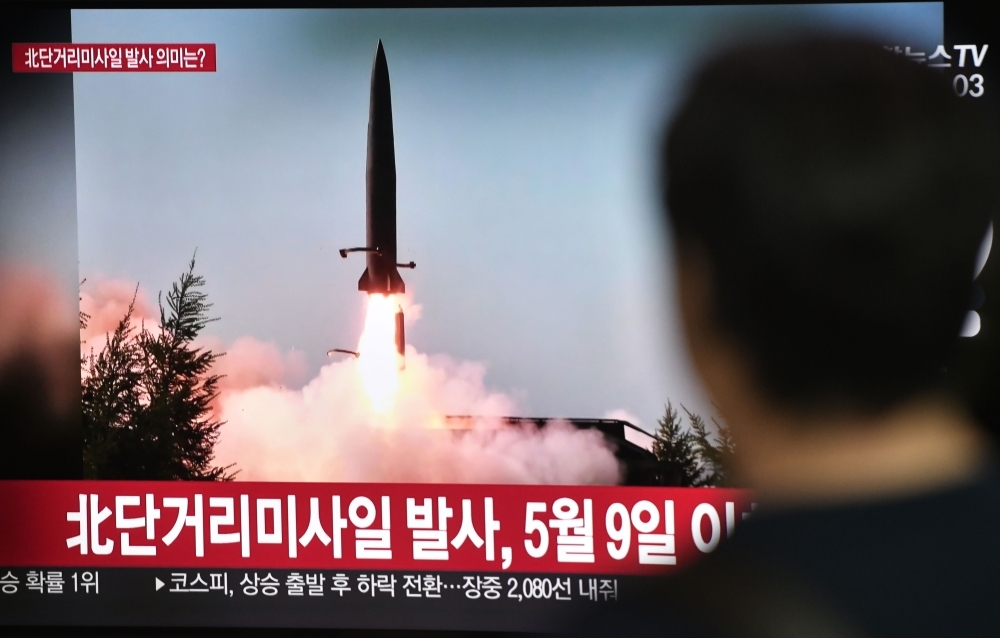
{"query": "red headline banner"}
[(387, 526), (113, 58)]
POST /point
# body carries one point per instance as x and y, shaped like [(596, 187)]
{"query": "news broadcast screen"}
[(359, 318)]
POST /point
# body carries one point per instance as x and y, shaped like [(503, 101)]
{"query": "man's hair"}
[(841, 193)]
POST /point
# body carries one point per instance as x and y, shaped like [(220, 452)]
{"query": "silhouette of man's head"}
[(835, 196)]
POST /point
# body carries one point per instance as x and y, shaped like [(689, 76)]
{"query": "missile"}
[(381, 277)]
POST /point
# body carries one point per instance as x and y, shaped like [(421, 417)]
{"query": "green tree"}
[(716, 455), (148, 395), (111, 398), (676, 451)]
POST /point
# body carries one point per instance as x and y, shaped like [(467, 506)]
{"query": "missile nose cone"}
[(380, 115), (380, 62), (380, 76)]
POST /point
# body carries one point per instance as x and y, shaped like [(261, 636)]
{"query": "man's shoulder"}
[(915, 566), (921, 565)]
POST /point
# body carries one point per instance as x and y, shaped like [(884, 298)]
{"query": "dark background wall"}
[(40, 431)]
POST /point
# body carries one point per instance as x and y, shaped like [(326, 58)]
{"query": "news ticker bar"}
[(304, 598), (364, 526), (64, 57)]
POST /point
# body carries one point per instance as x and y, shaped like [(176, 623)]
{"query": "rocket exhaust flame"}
[(383, 343), (379, 364)]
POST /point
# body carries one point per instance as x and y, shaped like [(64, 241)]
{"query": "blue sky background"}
[(524, 148)]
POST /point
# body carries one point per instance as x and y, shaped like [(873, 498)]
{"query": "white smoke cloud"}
[(278, 429), (326, 432), (249, 363), (106, 301)]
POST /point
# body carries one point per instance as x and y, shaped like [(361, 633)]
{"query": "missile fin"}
[(396, 285), (365, 283)]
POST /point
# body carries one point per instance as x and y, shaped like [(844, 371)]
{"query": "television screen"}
[(358, 318)]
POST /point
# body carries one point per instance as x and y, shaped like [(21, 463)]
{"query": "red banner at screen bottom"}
[(406, 556), (345, 526)]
